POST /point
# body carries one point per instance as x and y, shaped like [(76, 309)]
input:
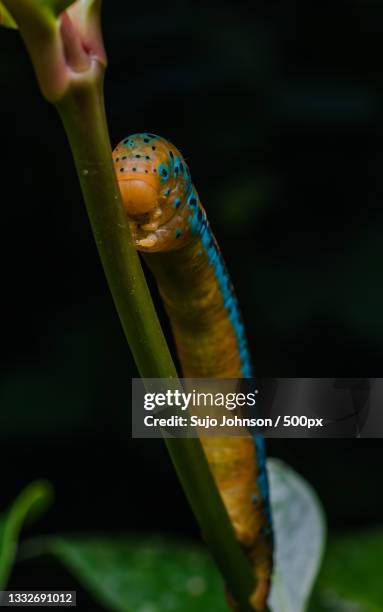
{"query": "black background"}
[(278, 111)]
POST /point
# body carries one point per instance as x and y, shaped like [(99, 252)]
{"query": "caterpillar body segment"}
[(170, 228)]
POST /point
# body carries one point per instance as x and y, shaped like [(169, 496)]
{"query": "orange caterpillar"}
[(170, 227)]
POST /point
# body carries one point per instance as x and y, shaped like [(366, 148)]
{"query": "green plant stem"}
[(83, 115), (82, 112)]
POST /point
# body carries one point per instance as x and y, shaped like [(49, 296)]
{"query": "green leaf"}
[(299, 528), (351, 577), (28, 506), (153, 574), (6, 20), (143, 574)]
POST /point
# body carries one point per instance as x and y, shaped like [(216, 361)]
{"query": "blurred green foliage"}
[(352, 573), (28, 506), (144, 574), (159, 575), (147, 573)]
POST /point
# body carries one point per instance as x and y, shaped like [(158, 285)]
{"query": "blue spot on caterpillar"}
[(170, 227)]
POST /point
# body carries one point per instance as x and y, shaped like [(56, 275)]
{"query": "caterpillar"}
[(170, 228)]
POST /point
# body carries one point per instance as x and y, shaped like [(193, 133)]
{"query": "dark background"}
[(279, 114)]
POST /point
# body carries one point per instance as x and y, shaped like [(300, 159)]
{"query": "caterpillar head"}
[(155, 185)]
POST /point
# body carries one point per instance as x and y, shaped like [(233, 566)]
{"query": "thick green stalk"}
[(83, 115), (82, 112)]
